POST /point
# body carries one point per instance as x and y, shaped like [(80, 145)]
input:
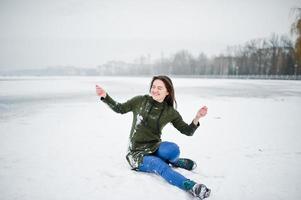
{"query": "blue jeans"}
[(158, 163)]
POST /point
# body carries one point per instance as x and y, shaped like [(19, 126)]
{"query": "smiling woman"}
[(146, 151), (158, 91), (161, 87)]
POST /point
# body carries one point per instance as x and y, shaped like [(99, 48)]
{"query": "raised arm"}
[(188, 129), (114, 105)]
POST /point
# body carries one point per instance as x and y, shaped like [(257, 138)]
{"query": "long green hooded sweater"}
[(149, 118)]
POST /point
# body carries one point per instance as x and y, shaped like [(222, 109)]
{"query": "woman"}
[(146, 151)]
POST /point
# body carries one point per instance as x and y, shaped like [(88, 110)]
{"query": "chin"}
[(155, 98)]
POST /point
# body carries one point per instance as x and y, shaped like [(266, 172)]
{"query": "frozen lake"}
[(58, 141)]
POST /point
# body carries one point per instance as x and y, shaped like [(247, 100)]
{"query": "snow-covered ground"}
[(58, 141)]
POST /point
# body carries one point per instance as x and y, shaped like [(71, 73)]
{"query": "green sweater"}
[(149, 118)]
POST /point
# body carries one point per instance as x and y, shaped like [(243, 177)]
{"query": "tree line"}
[(276, 55), (270, 56)]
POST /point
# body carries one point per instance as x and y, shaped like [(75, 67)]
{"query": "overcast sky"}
[(88, 33)]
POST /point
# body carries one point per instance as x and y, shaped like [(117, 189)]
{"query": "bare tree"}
[(296, 29)]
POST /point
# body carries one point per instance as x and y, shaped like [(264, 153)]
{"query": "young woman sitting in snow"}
[(146, 151)]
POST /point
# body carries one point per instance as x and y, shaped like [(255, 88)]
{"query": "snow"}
[(58, 141)]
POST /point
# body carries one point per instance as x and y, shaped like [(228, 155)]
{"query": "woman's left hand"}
[(201, 113)]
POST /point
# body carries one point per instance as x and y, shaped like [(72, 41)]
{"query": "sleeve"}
[(121, 107), (182, 126)]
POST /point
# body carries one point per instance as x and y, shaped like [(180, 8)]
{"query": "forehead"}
[(158, 83)]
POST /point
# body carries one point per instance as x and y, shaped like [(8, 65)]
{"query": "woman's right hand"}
[(100, 91)]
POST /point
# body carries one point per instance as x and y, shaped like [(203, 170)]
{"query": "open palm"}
[(202, 112), (100, 91)]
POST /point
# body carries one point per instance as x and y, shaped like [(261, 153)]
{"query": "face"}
[(158, 90)]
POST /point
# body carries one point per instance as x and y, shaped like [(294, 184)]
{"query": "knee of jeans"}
[(174, 151)]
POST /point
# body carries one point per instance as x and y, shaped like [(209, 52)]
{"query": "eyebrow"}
[(156, 85)]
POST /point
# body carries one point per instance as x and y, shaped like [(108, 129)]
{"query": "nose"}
[(154, 90)]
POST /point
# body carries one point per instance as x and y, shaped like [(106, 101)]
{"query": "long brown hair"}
[(170, 99)]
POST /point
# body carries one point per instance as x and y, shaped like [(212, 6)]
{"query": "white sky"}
[(87, 33)]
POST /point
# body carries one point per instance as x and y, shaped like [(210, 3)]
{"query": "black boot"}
[(184, 163)]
